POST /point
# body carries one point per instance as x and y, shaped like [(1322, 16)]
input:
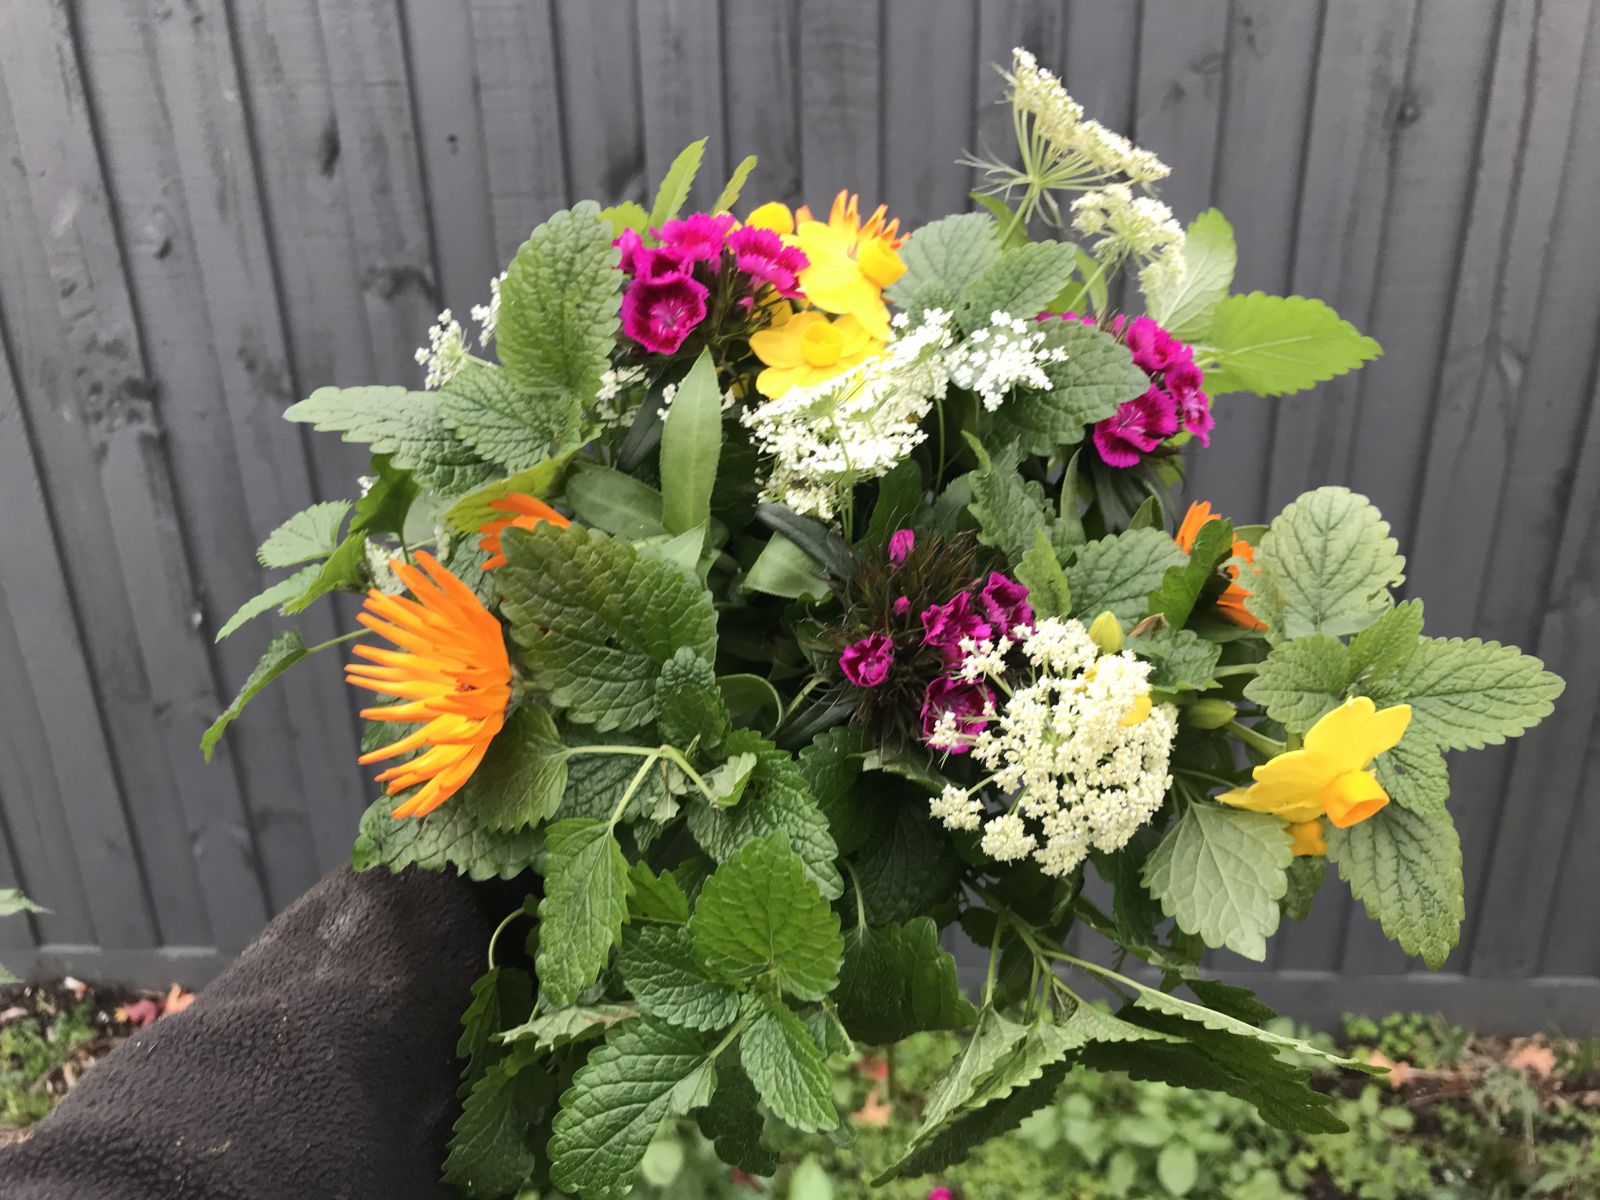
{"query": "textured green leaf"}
[(387, 502), (448, 837), (1415, 776), (786, 1065), (1387, 642), (491, 1152), (1097, 376), (595, 620), (563, 1026), (1274, 345), (645, 1072), (501, 998), (345, 569), (943, 259), (1465, 695), (831, 764), (653, 897), (280, 593), (282, 652), (1009, 510), (896, 980), (759, 912), (1040, 571), (1405, 867), (669, 979), (489, 411), (1026, 278), (403, 424), (675, 184), (523, 776), (953, 1142), (1181, 587), (1118, 573), (992, 1039), (1325, 565), (1303, 680), (729, 196), (474, 510), (1186, 305), (1180, 658), (1156, 1001), (1306, 875), (1219, 873), (691, 442), (733, 1122), (689, 703), (311, 533), (907, 865), (629, 214), (617, 503), (583, 909), (558, 321)]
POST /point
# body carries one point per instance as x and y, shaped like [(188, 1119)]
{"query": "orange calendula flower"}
[(525, 512), (1231, 603), (451, 673)]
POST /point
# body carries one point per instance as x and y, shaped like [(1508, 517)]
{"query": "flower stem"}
[(633, 786), (1246, 668), (1256, 741)]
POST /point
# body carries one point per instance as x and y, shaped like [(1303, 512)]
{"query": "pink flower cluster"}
[(1175, 399), (697, 261), (994, 611)]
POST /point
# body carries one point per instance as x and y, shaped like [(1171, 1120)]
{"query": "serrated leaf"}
[(501, 998), (1009, 509), (831, 764), (1180, 658), (278, 594), (1306, 876), (1097, 376), (1185, 305), (786, 1066), (733, 1123), (491, 1151), (1118, 573), (952, 1143), (564, 1026), (1274, 345), (583, 909), (689, 703), (1467, 694), (675, 184), (387, 502), (645, 1071), (1324, 565), (559, 316), (896, 980), (403, 424), (1220, 874), (1024, 280), (729, 196), (489, 411), (629, 214), (344, 569), (523, 775), (448, 837), (282, 652), (1303, 680), (595, 620), (1387, 642), (1040, 571), (669, 979), (474, 510), (691, 442), (311, 533), (1405, 868), (1181, 586), (943, 259), (759, 912), (1415, 776), (653, 897), (12, 902), (907, 865)]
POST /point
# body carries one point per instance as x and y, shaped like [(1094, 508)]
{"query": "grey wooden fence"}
[(208, 208)]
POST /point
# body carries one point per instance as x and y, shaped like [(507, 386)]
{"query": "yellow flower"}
[(1332, 773), (808, 348), (1308, 839)]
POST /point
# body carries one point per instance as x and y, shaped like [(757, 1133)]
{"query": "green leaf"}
[(1040, 571), (491, 1152), (669, 979), (1026, 278), (952, 1143), (1096, 377), (564, 1026), (1181, 587), (387, 501), (1415, 776), (1220, 873), (311, 533), (629, 214), (12, 902), (691, 441), (1274, 345), (1180, 658), (1185, 306), (653, 897), (583, 909), (1118, 573), (559, 316), (908, 865), (733, 1123), (1013, 232), (595, 620), (748, 695), (281, 653), (832, 764), (448, 837), (896, 980), (1306, 874), (1405, 868), (403, 424), (992, 1039), (346, 568), (280, 593), (786, 1065), (675, 184), (1325, 565), (1465, 695), (689, 703), (1387, 642), (783, 569), (943, 259), (505, 424), (596, 783), (1178, 1168), (1303, 680), (729, 196), (645, 1071), (522, 777), (759, 912), (1009, 510), (475, 510), (501, 998)]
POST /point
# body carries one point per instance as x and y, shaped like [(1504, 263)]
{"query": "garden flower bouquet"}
[(790, 589)]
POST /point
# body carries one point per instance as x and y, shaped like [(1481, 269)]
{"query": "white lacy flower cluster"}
[(446, 352), (1140, 226), (1009, 352), (1080, 750), (1088, 146), (857, 425), (488, 315)]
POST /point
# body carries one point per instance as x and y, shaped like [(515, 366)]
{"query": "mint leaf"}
[(522, 777), (502, 997), (759, 912), (1118, 573), (733, 1122), (653, 897), (1387, 642), (1186, 305), (559, 316), (1021, 284), (1040, 571), (953, 1142), (387, 502), (1415, 776), (1220, 874), (1324, 565), (908, 864), (1303, 680), (564, 1026), (675, 184), (786, 1065), (1096, 378), (896, 980), (596, 620), (943, 259), (282, 652), (448, 837), (596, 782), (278, 594), (992, 1039), (1154, 1000), (474, 510), (1465, 695), (1306, 875), (311, 533), (1405, 868), (689, 703), (1181, 587), (831, 765), (1274, 345), (1180, 658), (1009, 509), (345, 568), (491, 1152), (583, 909), (403, 424), (691, 442), (669, 979), (645, 1071), (489, 411)]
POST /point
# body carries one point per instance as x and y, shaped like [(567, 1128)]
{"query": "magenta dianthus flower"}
[(1136, 428), (1005, 602), (866, 662), (945, 625), (762, 255), (660, 315), (698, 237), (970, 702)]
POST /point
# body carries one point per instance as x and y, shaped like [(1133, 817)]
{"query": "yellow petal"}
[(777, 348), (1288, 807), (772, 215), (1355, 733), (1353, 797), (879, 262), (1301, 769), (1308, 838)]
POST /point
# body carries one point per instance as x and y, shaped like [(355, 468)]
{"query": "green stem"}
[(994, 963), (633, 786), (653, 753), (855, 882), (727, 1038), (1248, 668), (343, 637), (1256, 741), (494, 938)]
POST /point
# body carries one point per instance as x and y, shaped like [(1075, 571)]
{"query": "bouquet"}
[(788, 591)]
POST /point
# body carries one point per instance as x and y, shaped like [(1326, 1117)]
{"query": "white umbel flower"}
[(488, 315), (1007, 353), (1126, 225), (446, 352)]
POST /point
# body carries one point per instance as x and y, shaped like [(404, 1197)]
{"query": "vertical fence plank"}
[(841, 97), (680, 88), (1038, 26), (597, 46), (930, 103), (1183, 52), (1101, 60), (761, 93)]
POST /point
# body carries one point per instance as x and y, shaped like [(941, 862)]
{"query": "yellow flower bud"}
[(772, 215), (1139, 710), (1106, 632), (1209, 714), (1308, 839)]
